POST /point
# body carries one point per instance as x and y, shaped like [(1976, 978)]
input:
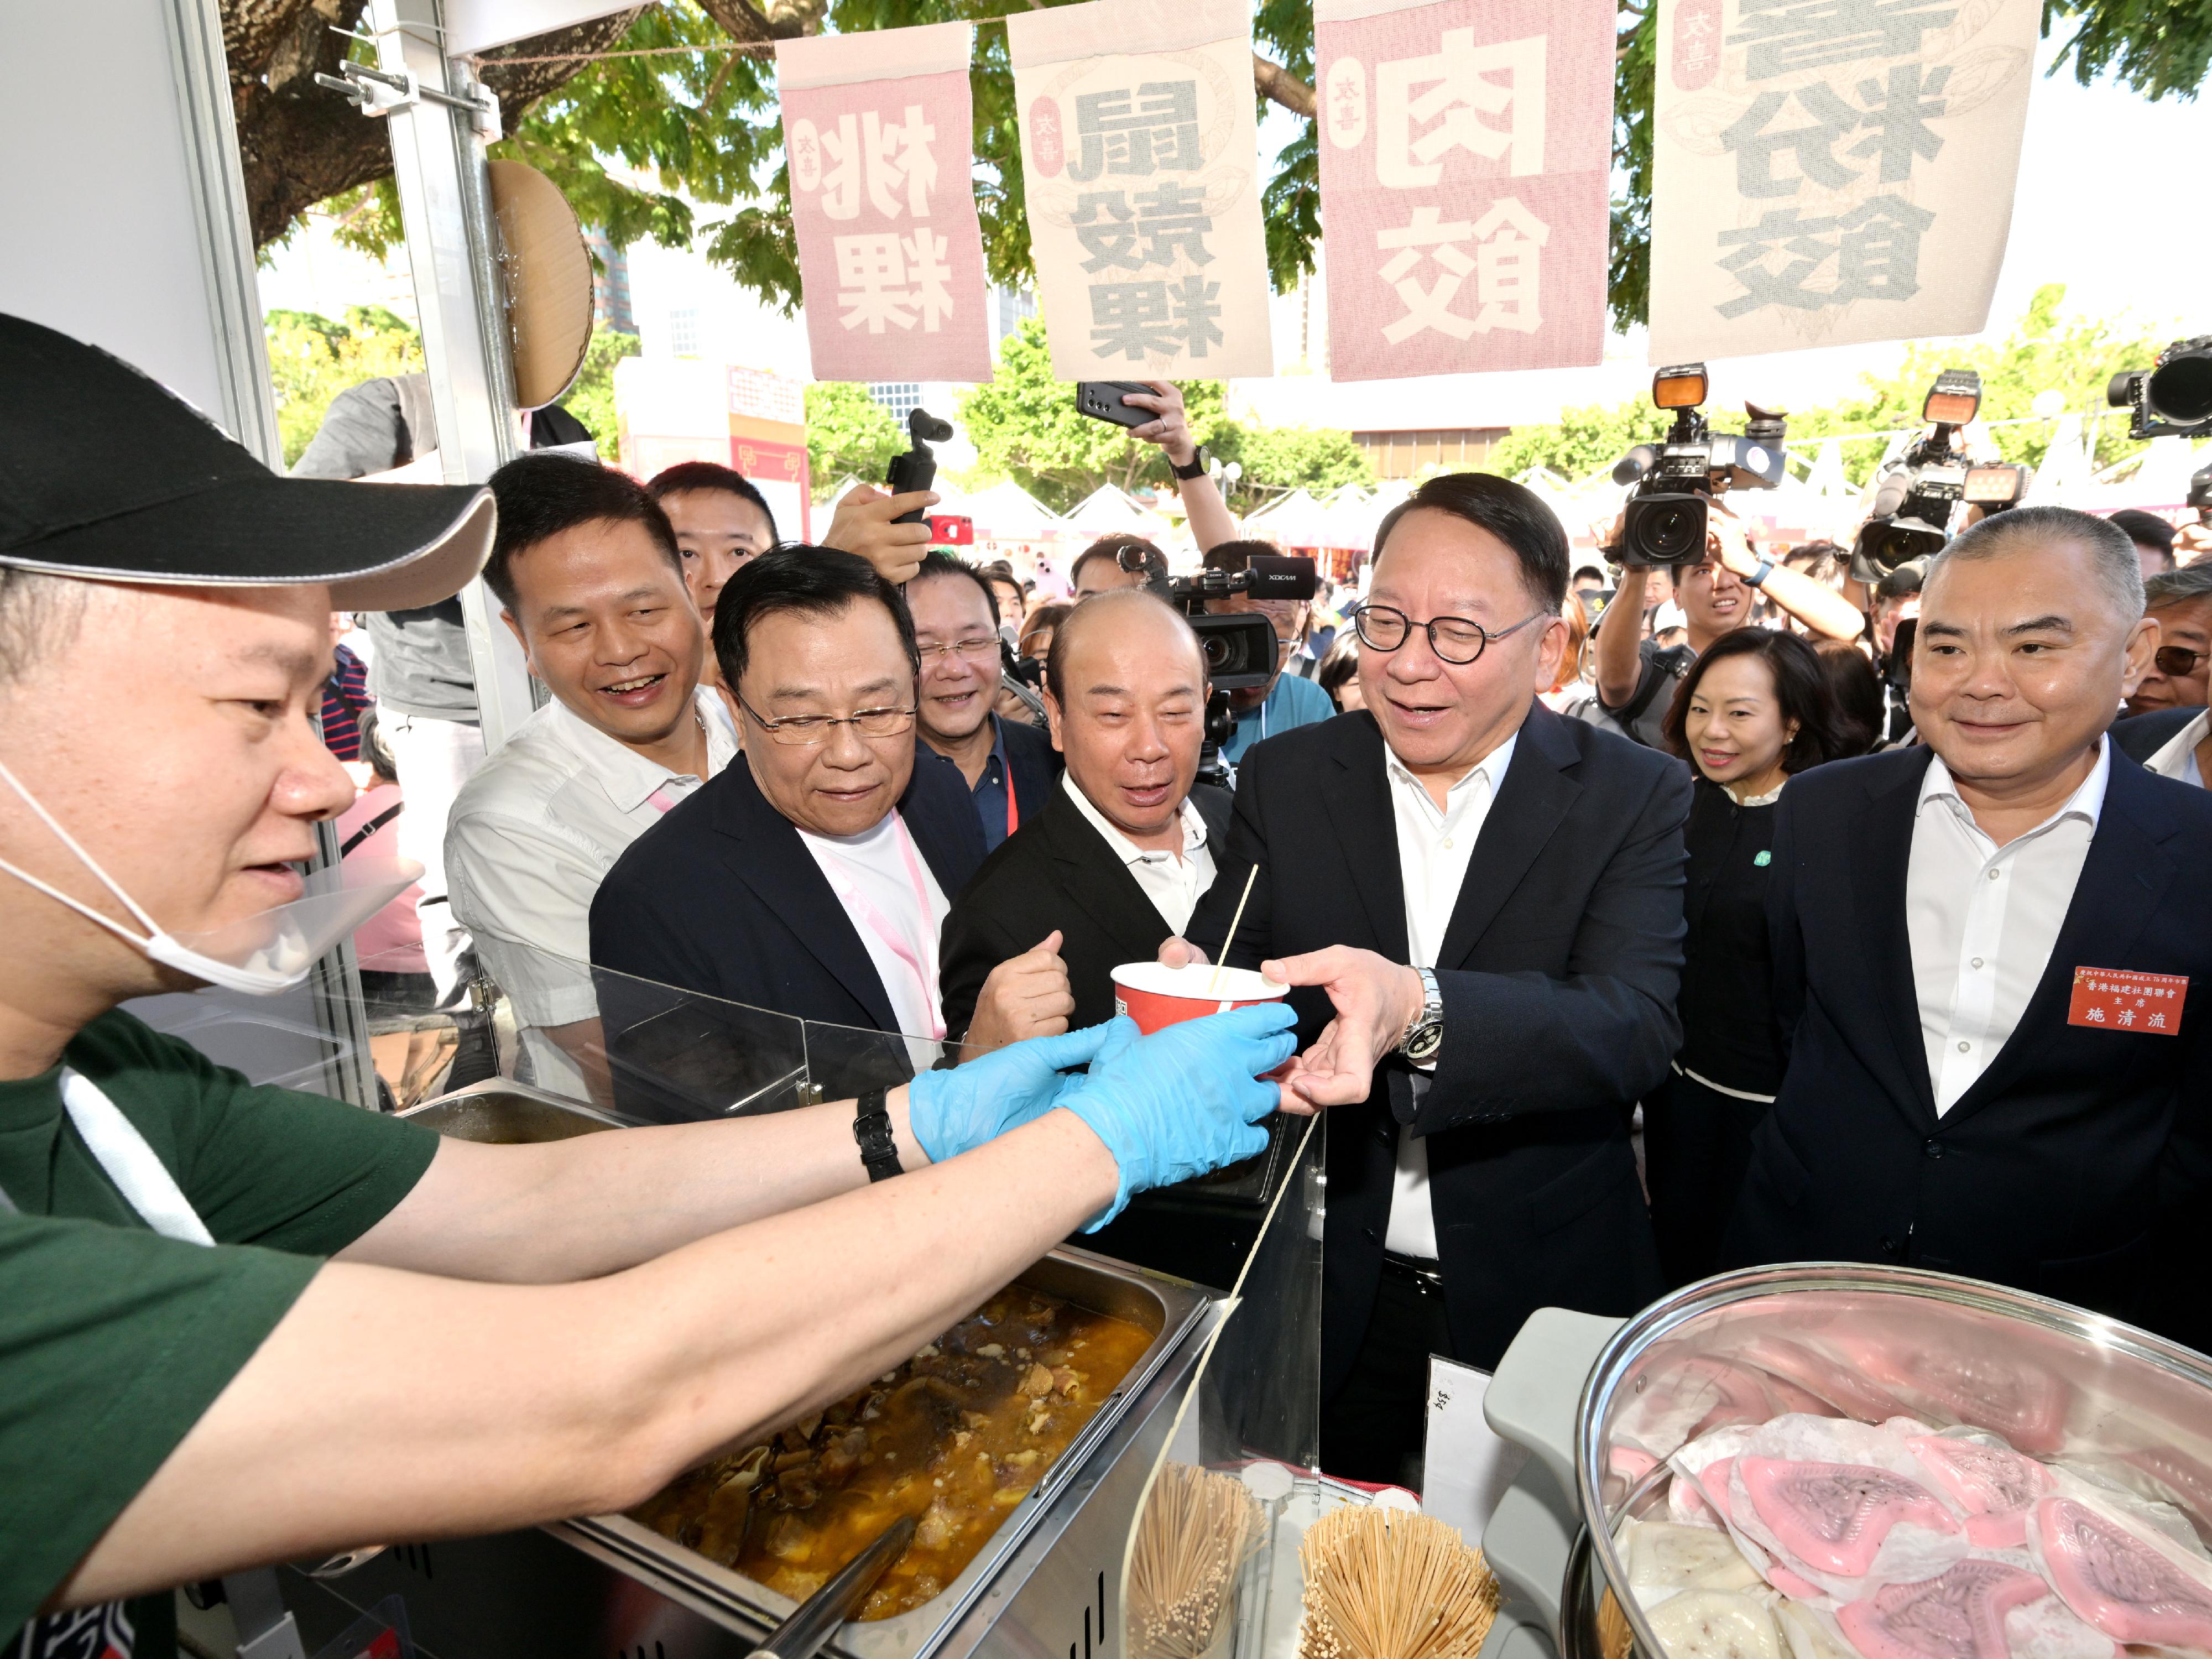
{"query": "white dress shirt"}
[(530, 837), (1173, 881), (898, 908), (2177, 756), (1982, 919), (1433, 850)]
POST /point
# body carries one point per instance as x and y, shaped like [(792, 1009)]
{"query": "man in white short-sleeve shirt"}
[(590, 580)]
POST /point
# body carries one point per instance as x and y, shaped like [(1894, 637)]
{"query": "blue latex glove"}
[(1183, 1101), (955, 1111)]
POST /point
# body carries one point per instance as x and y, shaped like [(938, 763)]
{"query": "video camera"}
[(916, 469), (1914, 500), (1241, 650), (1664, 521), (2173, 396)]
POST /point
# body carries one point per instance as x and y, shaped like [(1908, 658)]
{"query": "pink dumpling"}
[(2117, 1583), (1833, 1516), (1985, 1480), (1957, 1615)]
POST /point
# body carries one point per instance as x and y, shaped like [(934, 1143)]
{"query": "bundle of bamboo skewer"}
[(1199, 1526), (1392, 1584)]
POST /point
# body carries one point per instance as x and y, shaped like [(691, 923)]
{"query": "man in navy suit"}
[(809, 883), (1991, 956), (1482, 904)]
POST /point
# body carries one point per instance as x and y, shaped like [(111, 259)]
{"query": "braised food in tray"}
[(956, 1436)]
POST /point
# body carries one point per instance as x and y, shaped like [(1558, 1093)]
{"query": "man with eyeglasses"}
[(1287, 701), (812, 880), (2169, 731), (1008, 766), (1480, 903)]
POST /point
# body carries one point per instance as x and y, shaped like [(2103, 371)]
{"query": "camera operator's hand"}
[(863, 525), (1024, 996), (1726, 541), (1210, 523), (1616, 656), (2192, 542)]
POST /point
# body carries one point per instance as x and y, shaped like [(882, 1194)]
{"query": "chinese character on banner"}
[(1143, 182), (876, 134), (1464, 161), (1829, 172)]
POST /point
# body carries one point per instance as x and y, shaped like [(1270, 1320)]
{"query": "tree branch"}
[(1278, 85)]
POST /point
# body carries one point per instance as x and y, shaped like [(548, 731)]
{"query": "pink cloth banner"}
[(1464, 158), (876, 131)]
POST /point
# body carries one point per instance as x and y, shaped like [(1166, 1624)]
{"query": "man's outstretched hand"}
[(1375, 999)]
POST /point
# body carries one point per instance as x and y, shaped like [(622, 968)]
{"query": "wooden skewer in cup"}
[(1213, 984)]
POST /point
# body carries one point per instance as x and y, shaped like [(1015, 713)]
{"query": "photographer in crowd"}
[(1007, 766), (1965, 1090), (1286, 701), (1753, 713), (1637, 679)]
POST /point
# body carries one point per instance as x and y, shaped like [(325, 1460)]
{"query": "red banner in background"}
[(876, 131), (1464, 171)]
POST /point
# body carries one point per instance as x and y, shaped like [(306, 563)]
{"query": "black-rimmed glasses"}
[(1455, 640), (804, 730)]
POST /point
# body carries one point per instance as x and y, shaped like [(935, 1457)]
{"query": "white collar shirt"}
[(533, 835), (1982, 919), (2177, 756), (892, 899), (1434, 847), (1173, 881)]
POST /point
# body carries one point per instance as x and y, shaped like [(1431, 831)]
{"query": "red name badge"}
[(2114, 999)]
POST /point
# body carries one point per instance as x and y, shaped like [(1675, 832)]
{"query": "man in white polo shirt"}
[(588, 571)]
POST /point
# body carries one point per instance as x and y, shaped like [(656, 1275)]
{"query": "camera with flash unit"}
[(1915, 499), (1664, 520), (2172, 398)]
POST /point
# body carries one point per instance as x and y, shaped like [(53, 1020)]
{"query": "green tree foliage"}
[(848, 431), (592, 399), (2071, 354), (1276, 458), (313, 358), (629, 139)]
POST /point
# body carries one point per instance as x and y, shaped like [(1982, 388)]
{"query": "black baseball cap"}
[(106, 475)]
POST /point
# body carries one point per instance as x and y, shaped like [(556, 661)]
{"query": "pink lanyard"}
[(857, 905)]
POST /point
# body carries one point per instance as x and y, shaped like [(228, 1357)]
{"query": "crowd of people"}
[(1855, 923), (1676, 1002)]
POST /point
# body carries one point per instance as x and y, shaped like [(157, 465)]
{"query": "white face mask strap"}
[(77, 905), (89, 862)]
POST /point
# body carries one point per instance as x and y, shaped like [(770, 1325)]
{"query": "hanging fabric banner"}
[(1143, 178), (1464, 157), (876, 132), (1831, 171)]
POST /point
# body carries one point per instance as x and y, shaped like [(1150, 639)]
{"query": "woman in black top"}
[(1752, 710)]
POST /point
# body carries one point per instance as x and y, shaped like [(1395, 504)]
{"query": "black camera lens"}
[(1672, 531), (2181, 390), (1896, 546), (1218, 650)]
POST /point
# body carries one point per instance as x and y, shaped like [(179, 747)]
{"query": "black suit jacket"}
[(1056, 871), (1559, 973), (1033, 764), (722, 898), (2052, 1173), (2141, 736)]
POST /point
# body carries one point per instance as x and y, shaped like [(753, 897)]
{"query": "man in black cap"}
[(191, 1388)]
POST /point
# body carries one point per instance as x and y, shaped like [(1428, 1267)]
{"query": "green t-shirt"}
[(113, 1340)]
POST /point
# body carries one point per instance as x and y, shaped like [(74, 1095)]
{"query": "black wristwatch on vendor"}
[(872, 1128), (1425, 1035)]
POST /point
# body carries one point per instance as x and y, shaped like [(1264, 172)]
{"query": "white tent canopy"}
[(1109, 508)]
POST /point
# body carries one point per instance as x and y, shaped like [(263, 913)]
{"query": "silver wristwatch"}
[(1427, 1034)]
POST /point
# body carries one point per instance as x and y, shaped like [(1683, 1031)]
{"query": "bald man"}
[(1984, 949), (1116, 860)]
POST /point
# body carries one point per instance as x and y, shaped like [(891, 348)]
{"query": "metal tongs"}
[(820, 1615)]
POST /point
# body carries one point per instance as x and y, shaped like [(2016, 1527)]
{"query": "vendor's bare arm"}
[(389, 1404), (568, 1209)]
